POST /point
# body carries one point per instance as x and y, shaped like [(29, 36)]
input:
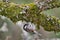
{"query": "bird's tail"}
[(37, 33)]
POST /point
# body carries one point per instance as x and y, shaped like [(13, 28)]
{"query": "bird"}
[(30, 28)]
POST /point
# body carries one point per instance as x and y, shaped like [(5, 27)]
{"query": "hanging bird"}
[(30, 28)]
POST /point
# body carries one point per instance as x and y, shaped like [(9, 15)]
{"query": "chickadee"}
[(25, 27), (29, 28)]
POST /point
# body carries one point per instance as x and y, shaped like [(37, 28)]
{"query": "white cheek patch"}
[(31, 26), (4, 27)]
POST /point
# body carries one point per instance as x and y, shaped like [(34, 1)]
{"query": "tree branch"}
[(47, 4), (30, 13)]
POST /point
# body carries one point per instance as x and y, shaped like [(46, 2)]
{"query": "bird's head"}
[(29, 27)]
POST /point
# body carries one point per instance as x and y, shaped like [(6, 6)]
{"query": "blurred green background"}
[(53, 12), (22, 1)]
